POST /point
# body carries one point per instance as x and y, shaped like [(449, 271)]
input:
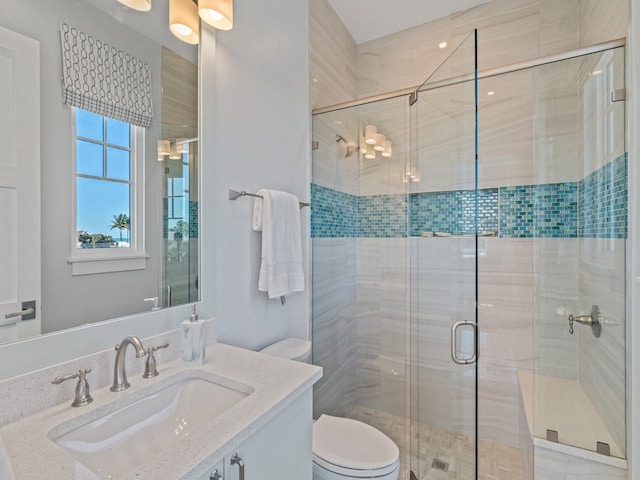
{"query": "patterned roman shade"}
[(104, 80)]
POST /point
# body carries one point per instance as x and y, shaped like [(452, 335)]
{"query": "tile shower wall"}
[(453, 212), (509, 31), (595, 207), (538, 211), (332, 69), (532, 221), (602, 197), (334, 324)]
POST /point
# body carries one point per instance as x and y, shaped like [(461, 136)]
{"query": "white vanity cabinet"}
[(281, 450)]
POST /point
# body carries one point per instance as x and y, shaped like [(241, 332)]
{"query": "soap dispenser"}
[(193, 339)]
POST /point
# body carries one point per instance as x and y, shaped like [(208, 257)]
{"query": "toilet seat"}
[(352, 449), (326, 471)]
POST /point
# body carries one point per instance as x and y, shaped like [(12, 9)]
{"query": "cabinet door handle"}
[(236, 460), (215, 475)]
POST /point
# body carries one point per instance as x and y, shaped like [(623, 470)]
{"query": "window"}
[(108, 193)]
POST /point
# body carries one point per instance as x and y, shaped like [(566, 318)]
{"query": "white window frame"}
[(87, 261)]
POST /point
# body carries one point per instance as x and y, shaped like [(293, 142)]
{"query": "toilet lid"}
[(290, 348), (352, 444)]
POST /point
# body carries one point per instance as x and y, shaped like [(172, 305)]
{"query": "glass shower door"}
[(444, 224)]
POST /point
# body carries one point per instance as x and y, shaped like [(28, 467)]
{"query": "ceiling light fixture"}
[(373, 142), (442, 45), (371, 153), (140, 5), (184, 22), (387, 149), (164, 147), (174, 154), (370, 134), (217, 13)]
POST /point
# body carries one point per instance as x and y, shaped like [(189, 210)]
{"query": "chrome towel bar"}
[(234, 195)]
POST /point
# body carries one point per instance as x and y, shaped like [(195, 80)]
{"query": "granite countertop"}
[(276, 383)]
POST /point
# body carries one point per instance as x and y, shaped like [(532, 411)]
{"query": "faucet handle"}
[(150, 369), (82, 397)]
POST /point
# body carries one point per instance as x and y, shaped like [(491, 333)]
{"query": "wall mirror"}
[(155, 233)]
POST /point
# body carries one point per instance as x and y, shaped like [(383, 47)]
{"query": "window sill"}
[(90, 266)]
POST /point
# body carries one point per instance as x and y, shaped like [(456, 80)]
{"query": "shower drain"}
[(440, 465)]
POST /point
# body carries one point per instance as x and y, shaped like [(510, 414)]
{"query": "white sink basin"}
[(120, 440)]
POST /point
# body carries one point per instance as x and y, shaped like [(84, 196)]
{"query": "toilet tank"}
[(290, 348)]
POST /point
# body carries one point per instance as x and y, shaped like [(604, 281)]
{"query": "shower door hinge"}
[(619, 95), (315, 145), (603, 448), (413, 98)]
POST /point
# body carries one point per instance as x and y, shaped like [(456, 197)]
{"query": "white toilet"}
[(343, 448)]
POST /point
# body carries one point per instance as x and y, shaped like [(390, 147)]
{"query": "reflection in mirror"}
[(104, 261), (179, 133)]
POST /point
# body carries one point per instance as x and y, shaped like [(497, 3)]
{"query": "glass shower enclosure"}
[(459, 270)]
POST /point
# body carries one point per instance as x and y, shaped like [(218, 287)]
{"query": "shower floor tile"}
[(495, 462)]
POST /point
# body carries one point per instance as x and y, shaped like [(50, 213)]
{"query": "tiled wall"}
[(332, 57), (333, 80), (593, 207), (538, 211), (453, 212), (602, 197), (334, 214), (334, 324)]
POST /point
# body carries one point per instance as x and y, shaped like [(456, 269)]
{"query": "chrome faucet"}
[(119, 374)]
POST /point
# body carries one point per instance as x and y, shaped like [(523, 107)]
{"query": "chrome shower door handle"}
[(454, 343), (236, 460)]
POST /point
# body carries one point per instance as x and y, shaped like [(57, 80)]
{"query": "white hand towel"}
[(257, 215), (281, 265)]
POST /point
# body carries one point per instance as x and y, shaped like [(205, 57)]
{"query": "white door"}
[(19, 184)]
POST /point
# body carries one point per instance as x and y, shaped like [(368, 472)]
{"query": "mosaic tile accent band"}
[(593, 207), (603, 200), (193, 219), (333, 213), (453, 212), (382, 216), (539, 211)]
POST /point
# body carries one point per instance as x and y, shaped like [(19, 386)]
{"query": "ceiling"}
[(370, 19)]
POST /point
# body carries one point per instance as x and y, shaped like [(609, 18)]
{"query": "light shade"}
[(380, 139), (184, 22), (387, 149), (174, 154), (217, 13), (363, 146), (164, 147), (140, 5), (371, 153), (370, 134)]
